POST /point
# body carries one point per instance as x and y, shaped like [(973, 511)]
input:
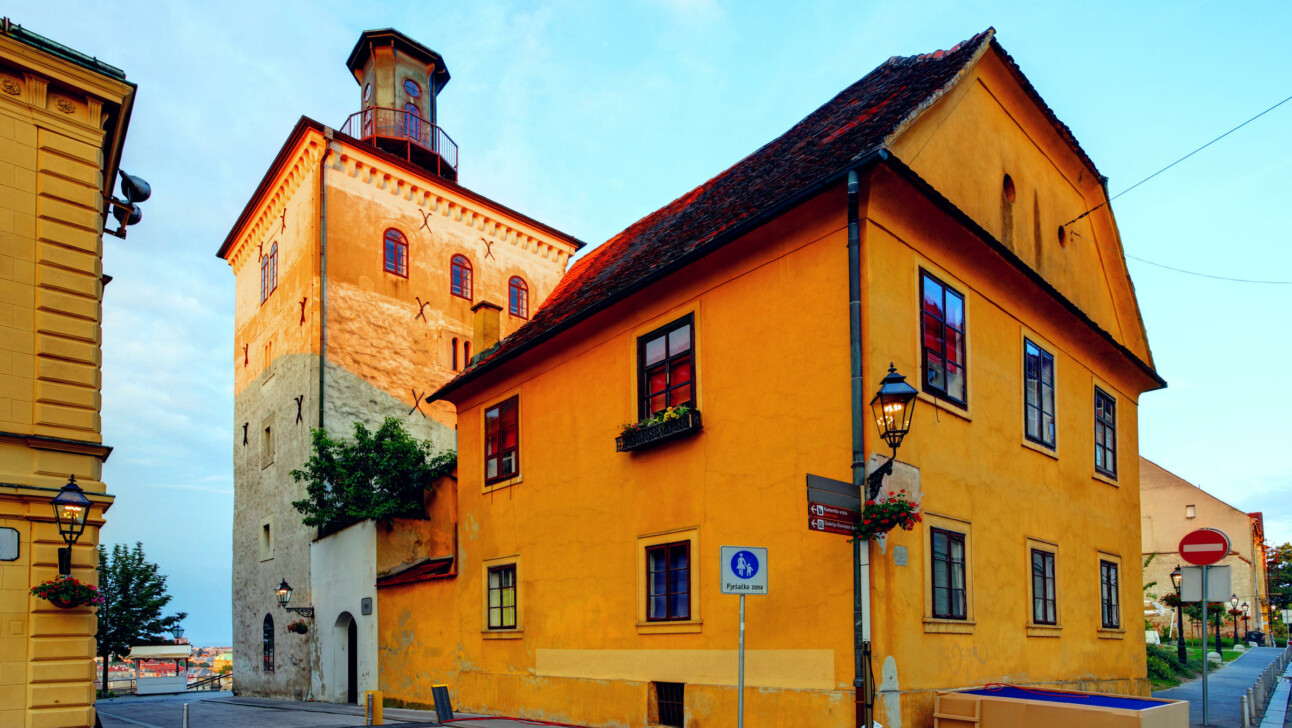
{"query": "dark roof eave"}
[(301, 125), (861, 161)]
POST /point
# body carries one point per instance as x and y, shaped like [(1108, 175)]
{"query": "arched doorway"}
[(345, 636)]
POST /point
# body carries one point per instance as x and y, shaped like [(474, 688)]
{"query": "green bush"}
[(1160, 670)]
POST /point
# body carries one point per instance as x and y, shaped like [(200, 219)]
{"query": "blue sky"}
[(588, 115)]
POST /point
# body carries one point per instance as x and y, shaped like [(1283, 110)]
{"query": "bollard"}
[(374, 708), (1249, 702), (185, 724), (1247, 722)]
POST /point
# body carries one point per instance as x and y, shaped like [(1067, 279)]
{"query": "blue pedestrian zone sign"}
[(744, 570)]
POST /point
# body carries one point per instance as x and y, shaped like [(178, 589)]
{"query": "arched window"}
[(264, 278), (267, 659), (412, 121), (273, 267), (461, 284), (455, 353), (466, 354), (396, 253), (518, 296)]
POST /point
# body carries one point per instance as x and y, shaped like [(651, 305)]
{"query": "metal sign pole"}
[(740, 677), (1205, 569)]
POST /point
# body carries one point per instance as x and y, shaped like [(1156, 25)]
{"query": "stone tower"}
[(360, 268)]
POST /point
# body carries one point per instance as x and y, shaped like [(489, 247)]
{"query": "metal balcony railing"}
[(377, 125)]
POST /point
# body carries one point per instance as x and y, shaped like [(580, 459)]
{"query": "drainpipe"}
[(862, 681), (327, 138)]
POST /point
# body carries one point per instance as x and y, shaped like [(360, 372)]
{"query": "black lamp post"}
[(892, 406), (178, 632), (71, 509), (1177, 577), (1233, 607), (284, 594), (1247, 610)]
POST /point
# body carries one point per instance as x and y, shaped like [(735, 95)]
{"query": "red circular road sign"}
[(1204, 547)]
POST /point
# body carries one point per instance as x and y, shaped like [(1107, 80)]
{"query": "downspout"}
[(323, 161), (862, 681)]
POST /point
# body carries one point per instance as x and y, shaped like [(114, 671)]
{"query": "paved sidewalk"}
[(224, 710), (1225, 688)]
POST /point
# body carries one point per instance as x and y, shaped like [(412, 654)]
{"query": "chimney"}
[(486, 332)]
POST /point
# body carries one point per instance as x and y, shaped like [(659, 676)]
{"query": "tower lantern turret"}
[(399, 82)]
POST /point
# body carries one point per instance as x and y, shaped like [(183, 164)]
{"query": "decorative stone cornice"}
[(352, 162), (302, 163)]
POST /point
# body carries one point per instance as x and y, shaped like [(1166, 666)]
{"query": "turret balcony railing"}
[(405, 134)]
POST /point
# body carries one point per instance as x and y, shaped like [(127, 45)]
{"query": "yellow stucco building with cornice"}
[(364, 274), (63, 120)]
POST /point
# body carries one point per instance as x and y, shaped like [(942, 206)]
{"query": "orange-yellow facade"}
[(771, 358)]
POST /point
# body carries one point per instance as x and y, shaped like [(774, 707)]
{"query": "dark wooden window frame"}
[(670, 704), (511, 404), (460, 274), (267, 645), (518, 297), (949, 565), (943, 393), (644, 393), (1045, 608), (1105, 433), (264, 279), (502, 589), (273, 268), (1110, 616), (1041, 356), (394, 241), (673, 613)]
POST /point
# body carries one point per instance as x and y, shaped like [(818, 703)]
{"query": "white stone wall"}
[(343, 570)]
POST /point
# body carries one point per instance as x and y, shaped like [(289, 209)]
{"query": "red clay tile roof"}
[(818, 149)]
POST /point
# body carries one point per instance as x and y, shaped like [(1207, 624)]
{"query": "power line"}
[(1208, 275), (1172, 164)]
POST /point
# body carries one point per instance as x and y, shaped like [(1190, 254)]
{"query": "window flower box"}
[(668, 425)]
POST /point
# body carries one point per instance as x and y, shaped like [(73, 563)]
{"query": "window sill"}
[(934, 625), (1105, 479), (1107, 633), (946, 406), (679, 627), (502, 634), (1038, 447), (1044, 630), (502, 484)]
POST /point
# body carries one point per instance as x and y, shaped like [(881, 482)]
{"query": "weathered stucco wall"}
[(343, 573)]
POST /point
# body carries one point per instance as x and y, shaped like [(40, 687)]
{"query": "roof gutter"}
[(753, 223)]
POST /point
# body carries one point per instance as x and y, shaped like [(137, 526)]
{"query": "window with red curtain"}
[(461, 276), (667, 365), (518, 295), (942, 330), (502, 441), (396, 253)]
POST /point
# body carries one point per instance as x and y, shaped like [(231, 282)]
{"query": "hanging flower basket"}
[(1171, 600), (880, 517), (66, 592), (300, 626)]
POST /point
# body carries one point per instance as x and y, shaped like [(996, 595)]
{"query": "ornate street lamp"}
[(1247, 610), (71, 509), (284, 594), (892, 406), (1177, 578), (178, 632), (1233, 607)]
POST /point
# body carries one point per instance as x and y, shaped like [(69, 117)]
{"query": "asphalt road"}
[(1225, 688)]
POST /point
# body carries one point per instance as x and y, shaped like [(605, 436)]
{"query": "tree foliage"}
[(134, 595), (1279, 568), (379, 475)]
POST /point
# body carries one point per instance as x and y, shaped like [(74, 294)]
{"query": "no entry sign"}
[(1204, 547)]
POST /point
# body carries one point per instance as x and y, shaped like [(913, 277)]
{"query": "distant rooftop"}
[(22, 35)]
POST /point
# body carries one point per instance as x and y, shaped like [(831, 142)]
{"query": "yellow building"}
[(361, 268), (63, 119), (584, 584)]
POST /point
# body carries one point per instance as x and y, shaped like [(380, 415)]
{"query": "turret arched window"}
[(460, 284), (273, 267), (396, 253), (267, 658), (264, 278), (518, 297)]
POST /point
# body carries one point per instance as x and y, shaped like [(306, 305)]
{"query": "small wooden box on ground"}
[(1006, 706)]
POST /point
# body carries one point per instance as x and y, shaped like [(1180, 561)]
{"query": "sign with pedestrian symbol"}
[(744, 570)]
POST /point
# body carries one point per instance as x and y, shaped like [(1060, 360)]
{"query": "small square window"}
[(1109, 600), (670, 704), (666, 366), (668, 582), (1038, 402), (1190, 511), (949, 586), (502, 441), (502, 597)]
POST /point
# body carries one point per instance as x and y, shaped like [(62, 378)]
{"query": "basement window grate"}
[(670, 700)]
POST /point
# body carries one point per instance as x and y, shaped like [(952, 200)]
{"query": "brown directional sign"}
[(821, 510), (830, 525)]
